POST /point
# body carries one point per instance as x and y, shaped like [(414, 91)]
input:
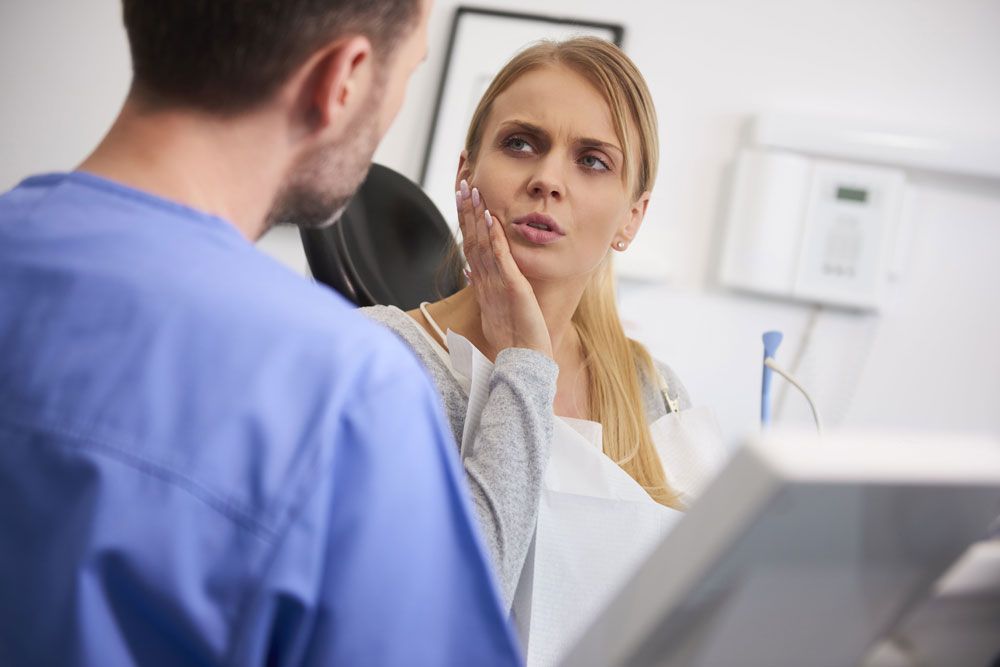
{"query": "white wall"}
[(64, 71), (930, 361)]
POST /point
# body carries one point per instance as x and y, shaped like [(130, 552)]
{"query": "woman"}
[(562, 420)]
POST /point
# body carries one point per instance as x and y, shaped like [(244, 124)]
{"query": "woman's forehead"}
[(558, 100)]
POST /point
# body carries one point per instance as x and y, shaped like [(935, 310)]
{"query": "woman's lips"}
[(537, 228)]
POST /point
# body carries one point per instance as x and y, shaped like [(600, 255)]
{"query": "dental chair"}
[(388, 248)]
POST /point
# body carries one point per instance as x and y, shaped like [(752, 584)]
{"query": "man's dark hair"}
[(227, 56)]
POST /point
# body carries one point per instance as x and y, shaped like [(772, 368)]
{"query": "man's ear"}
[(464, 169), (336, 82)]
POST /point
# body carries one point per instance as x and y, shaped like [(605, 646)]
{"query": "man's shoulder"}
[(281, 303)]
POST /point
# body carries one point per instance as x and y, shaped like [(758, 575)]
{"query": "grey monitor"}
[(801, 552)]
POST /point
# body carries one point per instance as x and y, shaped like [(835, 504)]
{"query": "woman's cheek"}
[(489, 188)]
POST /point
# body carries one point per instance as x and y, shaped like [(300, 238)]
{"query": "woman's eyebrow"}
[(587, 142), (530, 128)]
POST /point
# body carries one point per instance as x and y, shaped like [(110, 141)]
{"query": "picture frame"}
[(481, 42)]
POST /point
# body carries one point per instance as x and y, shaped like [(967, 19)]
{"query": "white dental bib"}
[(595, 523)]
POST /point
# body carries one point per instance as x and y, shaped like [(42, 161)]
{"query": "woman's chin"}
[(535, 265)]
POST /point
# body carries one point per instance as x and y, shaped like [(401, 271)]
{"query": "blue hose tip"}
[(772, 339)]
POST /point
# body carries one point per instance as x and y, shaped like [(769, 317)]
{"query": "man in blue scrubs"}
[(205, 459)]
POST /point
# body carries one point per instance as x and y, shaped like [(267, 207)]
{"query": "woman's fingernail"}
[(468, 275), (458, 197), (489, 219), (464, 185), (475, 197)]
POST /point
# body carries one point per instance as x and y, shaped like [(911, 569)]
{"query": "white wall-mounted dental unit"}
[(818, 209)]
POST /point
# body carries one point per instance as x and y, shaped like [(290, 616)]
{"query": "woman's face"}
[(549, 166)]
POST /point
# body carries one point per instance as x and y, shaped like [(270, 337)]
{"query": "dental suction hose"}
[(772, 339)]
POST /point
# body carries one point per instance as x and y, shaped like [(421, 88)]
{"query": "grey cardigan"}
[(507, 464)]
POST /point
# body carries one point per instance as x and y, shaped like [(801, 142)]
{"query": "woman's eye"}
[(595, 163), (517, 144)]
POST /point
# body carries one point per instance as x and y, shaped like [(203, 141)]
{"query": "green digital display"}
[(852, 194)]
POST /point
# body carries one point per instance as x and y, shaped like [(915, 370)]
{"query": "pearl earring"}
[(620, 245)]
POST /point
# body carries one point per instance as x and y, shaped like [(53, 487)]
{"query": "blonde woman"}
[(579, 449)]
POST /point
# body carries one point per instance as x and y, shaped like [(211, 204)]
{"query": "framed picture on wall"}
[(481, 42)]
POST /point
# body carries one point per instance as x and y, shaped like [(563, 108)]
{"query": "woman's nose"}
[(546, 181)]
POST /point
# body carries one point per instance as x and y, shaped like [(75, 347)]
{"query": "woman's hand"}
[(511, 316)]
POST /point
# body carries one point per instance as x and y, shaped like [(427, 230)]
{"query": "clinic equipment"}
[(818, 231), (802, 548), (819, 208), (772, 339)]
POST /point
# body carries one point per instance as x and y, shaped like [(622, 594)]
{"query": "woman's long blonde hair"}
[(616, 363)]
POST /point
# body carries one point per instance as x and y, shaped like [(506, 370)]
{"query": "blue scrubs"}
[(205, 459)]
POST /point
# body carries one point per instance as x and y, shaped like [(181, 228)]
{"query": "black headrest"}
[(388, 248)]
